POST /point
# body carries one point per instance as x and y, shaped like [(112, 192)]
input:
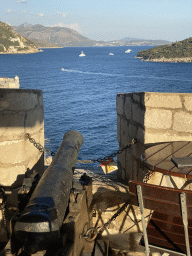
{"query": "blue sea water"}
[(82, 97)]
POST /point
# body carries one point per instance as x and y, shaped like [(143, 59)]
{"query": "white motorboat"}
[(127, 51), (82, 54), (111, 53)]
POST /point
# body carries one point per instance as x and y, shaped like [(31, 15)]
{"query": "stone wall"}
[(9, 82), (151, 118), (21, 112)]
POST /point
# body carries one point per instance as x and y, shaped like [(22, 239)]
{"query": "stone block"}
[(188, 102), (163, 100), (18, 101), (124, 133), (158, 119), (135, 169), (137, 114), (118, 128), (14, 152), (11, 125), (136, 97), (140, 135), (40, 101), (129, 166), (37, 163), (9, 175), (128, 103), (120, 104), (137, 150), (34, 120), (123, 175), (122, 159), (182, 122), (153, 137), (132, 131)]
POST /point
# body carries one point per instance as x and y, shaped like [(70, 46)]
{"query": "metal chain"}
[(134, 141), (147, 176), (38, 145), (92, 233), (42, 149), (120, 210)]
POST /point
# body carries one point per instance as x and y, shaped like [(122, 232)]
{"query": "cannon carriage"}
[(51, 213)]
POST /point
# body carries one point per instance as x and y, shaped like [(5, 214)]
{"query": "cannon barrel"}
[(39, 224)]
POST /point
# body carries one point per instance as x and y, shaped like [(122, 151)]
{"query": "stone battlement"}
[(9, 82), (21, 112), (150, 117)]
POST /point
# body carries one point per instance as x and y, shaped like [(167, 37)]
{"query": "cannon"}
[(50, 210)]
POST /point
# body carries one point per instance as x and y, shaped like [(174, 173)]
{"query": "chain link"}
[(134, 141), (42, 149), (147, 176), (38, 145)]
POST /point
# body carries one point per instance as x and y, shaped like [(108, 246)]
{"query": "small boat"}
[(111, 53), (127, 51), (82, 54), (62, 69)]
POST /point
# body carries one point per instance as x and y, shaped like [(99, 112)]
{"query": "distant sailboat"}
[(111, 53), (82, 54)]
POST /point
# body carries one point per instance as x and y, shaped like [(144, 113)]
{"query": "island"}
[(180, 51)]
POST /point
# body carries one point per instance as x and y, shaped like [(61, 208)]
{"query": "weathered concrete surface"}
[(21, 112)]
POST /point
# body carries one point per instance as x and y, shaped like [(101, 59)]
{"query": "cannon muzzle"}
[(38, 226)]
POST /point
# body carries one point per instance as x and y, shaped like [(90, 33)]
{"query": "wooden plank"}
[(158, 151), (167, 226), (165, 194), (155, 231), (165, 244), (170, 218), (161, 199), (157, 205), (189, 175)]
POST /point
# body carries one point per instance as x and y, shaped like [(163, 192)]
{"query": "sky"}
[(106, 19)]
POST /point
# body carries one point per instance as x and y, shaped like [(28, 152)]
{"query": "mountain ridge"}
[(63, 37), (66, 37)]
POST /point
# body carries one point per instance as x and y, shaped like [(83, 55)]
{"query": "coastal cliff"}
[(176, 52), (13, 43)]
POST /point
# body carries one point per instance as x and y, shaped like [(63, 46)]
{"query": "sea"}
[(80, 92)]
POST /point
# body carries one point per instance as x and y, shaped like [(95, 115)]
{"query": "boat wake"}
[(90, 73), (125, 75)]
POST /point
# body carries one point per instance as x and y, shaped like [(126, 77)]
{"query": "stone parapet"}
[(21, 112), (151, 118)]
